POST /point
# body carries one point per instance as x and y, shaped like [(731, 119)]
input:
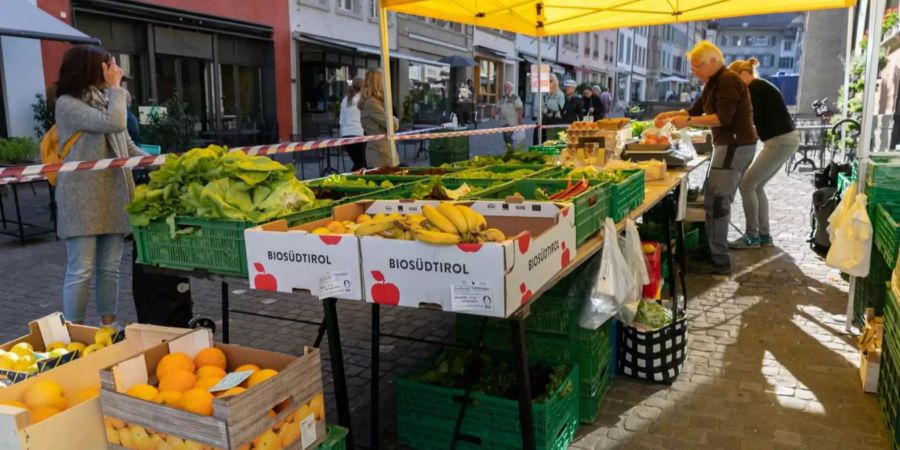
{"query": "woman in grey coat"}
[(91, 204), (374, 122)]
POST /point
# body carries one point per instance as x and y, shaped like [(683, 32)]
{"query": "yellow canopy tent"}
[(554, 17)]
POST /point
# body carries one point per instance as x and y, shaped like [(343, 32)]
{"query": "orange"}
[(247, 368), (289, 433), (197, 401), (209, 371), (173, 361), (113, 422), (207, 382), (42, 412), (83, 396), (144, 392), (45, 393), (268, 441), (317, 404), (260, 376), (171, 398), (232, 391), (178, 380), (211, 357), (302, 413)]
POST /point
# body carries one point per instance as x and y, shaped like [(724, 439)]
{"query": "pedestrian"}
[(573, 105), (780, 140), (134, 126), (590, 109), (351, 126), (605, 102), (724, 105), (91, 204), (374, 122), (552, 106), (509, 110)]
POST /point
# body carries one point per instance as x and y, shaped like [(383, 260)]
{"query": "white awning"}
[(672, 79), (19, 18)]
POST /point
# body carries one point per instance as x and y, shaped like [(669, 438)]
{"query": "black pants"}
[(357, 153)]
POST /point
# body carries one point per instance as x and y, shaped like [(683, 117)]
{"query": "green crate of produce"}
[(336, 438), (883, 169), (448, 150), (427, 415), (889, 390), (887, 231), (868, 294), (591, 205), (406, 191), (506, 172), (551, 150), (624, 196), (592, 395), (891, 319), (214, 246)]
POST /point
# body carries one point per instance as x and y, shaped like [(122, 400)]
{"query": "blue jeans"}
[(97, 256)]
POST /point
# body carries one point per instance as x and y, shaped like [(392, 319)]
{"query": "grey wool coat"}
[(372, 117), (91, 203)]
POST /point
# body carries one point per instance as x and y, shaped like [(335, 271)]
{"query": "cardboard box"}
[(284, 259), (490, 279), (236, 420), (869, 366), (80, 427), (45, 331)]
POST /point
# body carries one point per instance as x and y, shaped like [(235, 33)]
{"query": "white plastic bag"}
[(634, 257), (851, 246), (614, 283), (518, 135)]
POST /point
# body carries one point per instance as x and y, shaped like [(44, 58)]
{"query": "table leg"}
[(669, 213), (15, 189), (337, 367), (375, 402), (320, 333), (52, 193), (2, 210), (225, 310), (526, 419)]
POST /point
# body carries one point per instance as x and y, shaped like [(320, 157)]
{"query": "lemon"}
[(22, 349), (56, 345), (649, 248), (104, 336), (56, 353), (75, 347), (91, 349), (8, 360)]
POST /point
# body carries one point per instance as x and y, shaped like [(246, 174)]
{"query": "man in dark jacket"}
[(574, 105), (724, 106), (591, 109)]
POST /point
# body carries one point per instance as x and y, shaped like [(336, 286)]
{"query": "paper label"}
[(53, 329), (334, 284), (231, 380), (471, 296), (308, 431)]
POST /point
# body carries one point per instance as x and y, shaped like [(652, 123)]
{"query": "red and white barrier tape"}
[(287, 147), (22, 179)]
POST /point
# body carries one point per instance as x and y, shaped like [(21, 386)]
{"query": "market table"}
[(663, 191), (25, 230)]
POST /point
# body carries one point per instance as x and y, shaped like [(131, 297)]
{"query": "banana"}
[(439, 221), (455, 216), (475, 221), (436, 237), (494, 235), (374, 227)]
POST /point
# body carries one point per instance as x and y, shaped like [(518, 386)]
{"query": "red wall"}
[(273, 13)]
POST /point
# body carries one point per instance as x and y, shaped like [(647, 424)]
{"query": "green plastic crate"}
[(217, 246), (448, 150), (501, 169), (591, 206), (551, 150), (883, 169), (891, 319), (887, 231), (427, 416), (843, 182), (405, 190), (868, 294), (624, 197), (592, 395), (336, 438)]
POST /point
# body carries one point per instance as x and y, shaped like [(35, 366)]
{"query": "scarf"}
[(99, 100)]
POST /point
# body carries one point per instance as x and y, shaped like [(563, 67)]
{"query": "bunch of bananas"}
[(446, 224)]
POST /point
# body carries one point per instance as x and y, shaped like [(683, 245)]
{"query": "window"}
[(597, 47), (346, 5), (430, 86), (452, 26), (628, 50), (735, 41), (621, 51), (788, 46), (373, 9), (570, 41), (679, 64), (785, 62), (587, 44), (767, 60), (773, 41), (490, 80), (723, 41)]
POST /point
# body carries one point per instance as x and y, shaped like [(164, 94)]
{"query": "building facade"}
[(496, 64), (776, 40), (227, 59), (668, 70), (632, 58), (527, 50)]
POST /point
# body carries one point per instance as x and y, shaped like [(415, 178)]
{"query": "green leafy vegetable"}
[(652, 315)]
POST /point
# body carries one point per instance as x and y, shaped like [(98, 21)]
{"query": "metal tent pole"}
[(386, 69), (845, 90), (540, 100), (876, 10)]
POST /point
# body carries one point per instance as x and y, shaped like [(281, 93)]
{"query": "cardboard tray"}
[(80, 427), (236, 420), (648, 147)]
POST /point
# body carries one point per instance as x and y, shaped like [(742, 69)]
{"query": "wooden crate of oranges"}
[(176, 396)]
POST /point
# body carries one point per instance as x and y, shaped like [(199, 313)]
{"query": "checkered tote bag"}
[(654, 356)]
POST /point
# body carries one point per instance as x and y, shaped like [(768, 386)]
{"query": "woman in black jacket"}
[(780, 140)]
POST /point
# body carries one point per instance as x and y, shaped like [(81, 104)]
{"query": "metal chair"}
[(813, 138)]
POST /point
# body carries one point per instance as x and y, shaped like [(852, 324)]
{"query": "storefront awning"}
[(490, 52), (555, 17), (672, 79), (348, 46), (22, 19)]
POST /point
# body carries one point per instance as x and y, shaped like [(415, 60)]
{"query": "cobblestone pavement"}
[(768, 365)]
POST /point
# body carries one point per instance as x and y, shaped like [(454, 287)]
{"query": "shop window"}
[(373, 9), (429, 91), (723, 41), (490, 80), (346, 5), (188, 78), (131, 66), (785, 63)]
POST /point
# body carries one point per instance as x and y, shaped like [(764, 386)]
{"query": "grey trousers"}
[(726, 169), (774, 153)]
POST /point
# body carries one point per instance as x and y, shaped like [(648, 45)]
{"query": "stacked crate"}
[(889, 374), (554, 337)]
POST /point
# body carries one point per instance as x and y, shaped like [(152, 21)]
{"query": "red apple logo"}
[(384, 293), (469, 248), (566, 255), (264, 281), (330, 239), (526, 294), (565, 212), (524, 241)]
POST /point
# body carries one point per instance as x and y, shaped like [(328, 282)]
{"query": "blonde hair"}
[(373, 87), (554, 81), (706, 51), (745, 66)]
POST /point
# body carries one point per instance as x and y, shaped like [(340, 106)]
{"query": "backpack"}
[(50, 153)]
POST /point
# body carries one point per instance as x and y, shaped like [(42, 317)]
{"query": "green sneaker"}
[(744, 242), (766, 241)]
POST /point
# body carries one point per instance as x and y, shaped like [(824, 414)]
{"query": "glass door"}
[(190, 79)]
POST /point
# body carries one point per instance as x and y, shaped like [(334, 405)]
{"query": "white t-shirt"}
[(350, 124)]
